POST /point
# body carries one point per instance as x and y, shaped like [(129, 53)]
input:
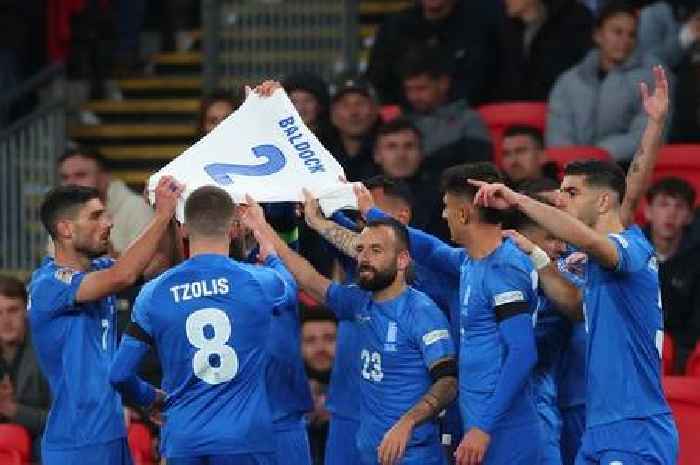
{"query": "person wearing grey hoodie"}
[(597, 101)]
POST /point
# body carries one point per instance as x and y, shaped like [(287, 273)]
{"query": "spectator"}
[(662, 35), (686, 123), (399, 154), (214, 109), (453, 133), (24, 392), (669, 212), (524, 158), (318, 333), (354, 117), (309, 94), (465, 29), (129, 212), (533, 54), (597, 101)]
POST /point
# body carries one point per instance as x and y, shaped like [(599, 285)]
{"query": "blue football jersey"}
[(552, 333), (210, 318), (75, 345), (505, 276), (287, 383), (400, 340), (622, 309)]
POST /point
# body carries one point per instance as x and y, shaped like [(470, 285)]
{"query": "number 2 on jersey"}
[(204, 363)]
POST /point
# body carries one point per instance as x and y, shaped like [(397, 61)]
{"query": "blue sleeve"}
[(290, 284), (345, 301), (274, 286), (139, 314), (428, 250), (431, 332), (632, 254), (518, 335), (342, 220), (55, 294), (122, 375), (508, 283), (552, 332)]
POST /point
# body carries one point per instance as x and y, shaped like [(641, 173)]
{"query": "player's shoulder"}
[(509, 257), (633, 237), (419, 303), (49, 276)]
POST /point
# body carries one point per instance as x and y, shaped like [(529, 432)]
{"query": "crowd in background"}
[(438, 61)]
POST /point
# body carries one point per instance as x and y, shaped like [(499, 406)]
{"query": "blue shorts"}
[(110, 453), (235, 459), (515, 446), (573, 424), (340, 445), (550, 422), (293, 445), (424, 455), (644, 441)]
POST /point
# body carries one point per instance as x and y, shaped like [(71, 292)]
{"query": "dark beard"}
[(380, 281), (92, 253)]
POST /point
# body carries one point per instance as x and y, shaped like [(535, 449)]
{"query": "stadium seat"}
[(680, 160), (141, 444), (668, 354), (389, 112), (683, 395), (692, 366), (562, 156), (15, 444), (498, 116)]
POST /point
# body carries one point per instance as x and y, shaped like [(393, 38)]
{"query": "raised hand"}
[(252, 214), (656, 104), (312, 213), (494, 195), (267, 88), (266, 247), (523, 243), (167, 193), (365, 202)]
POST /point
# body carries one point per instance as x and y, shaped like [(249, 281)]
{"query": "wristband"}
[(539, 258)]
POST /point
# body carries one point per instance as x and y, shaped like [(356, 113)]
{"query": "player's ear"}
[(64, 229), (605, 202)]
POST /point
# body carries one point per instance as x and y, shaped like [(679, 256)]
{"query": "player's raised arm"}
[(342, 238), (306, 276), (566, 297), (130, 266), (640, 171), (561, 224)]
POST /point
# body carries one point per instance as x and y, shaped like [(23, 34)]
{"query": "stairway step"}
[(383, 7), (133, 131), (142, 152), (140, 106), (193, 83)]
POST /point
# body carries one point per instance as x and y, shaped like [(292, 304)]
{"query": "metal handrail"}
[(46, 75)]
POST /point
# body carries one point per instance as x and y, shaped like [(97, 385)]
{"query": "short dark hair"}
[(234, 99), (90, 153), (523, 130), (427, 60), (454, 181), (599, 173), (400, 231), (398, 124), (614, 8), (315, 313), (209, 211), (12, 288), (396, 188), (673, 187), (63, 202)]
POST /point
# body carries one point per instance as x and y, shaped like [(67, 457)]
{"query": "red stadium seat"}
[(141, 444), (668, 354), (498, 116), (389, 112), (15, 444), (562, 156), (682, 161), (692, 366), (683, 394)]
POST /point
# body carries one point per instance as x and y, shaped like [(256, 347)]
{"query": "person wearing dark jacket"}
[(465, 29), (540, 39)]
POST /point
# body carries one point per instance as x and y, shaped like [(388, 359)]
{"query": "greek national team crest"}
[(263, 149), (391, 333)]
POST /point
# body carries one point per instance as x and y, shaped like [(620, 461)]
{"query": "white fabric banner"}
[(263, 149)]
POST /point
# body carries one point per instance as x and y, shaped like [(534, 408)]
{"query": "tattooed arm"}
[(441, 393), (342, 238), (642, 167)]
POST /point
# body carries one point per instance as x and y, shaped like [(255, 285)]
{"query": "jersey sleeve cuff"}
[(375, 214)]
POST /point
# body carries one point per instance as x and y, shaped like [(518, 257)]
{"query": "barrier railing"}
[(29, 148)]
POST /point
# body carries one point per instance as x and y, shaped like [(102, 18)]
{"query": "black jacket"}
[(467, 36), (560, 43)]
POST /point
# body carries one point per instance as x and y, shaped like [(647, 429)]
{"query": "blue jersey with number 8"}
[(209, 319)]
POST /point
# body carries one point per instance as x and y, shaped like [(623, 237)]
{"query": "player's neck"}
[(482, 239), (71, 258), (208, 247), (609, 223), (394, 290)]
